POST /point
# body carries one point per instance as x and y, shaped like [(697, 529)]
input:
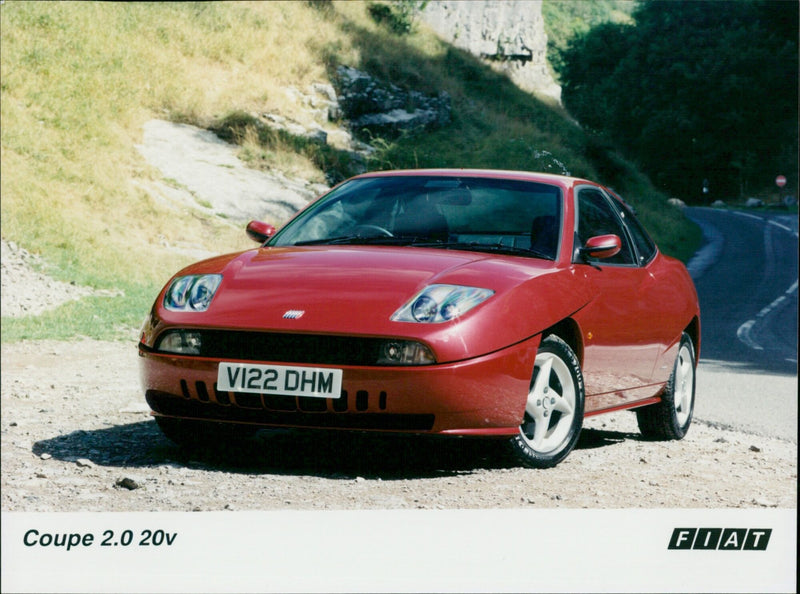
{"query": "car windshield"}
[(483, 214)]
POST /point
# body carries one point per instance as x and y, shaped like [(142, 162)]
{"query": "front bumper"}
[(481, 396)]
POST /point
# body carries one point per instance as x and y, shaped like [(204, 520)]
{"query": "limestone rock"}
[(384, 108), (509, 34)]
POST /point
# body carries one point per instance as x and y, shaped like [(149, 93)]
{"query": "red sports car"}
[(455, 302)]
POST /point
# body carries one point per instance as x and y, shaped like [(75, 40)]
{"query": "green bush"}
[(400, 16)]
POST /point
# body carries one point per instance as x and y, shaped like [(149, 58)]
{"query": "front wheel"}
[(670, 418), (554, 409)]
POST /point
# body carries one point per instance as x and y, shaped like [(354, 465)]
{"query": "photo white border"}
[(501, 550)]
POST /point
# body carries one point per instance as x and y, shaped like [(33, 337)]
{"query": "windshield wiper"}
[(485, 247), (498, 248), (357, 240)]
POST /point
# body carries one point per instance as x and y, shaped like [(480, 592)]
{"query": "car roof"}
[(562, 180)]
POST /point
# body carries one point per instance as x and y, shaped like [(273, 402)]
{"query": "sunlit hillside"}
[(79, 80)]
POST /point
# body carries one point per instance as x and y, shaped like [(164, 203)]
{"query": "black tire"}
[(555, 406), (670, 418), (193, 434)]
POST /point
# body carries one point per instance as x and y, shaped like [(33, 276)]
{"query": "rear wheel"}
[(554, 409), (670, 418)]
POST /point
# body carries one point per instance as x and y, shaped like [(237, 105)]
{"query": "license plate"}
[(282, 380)]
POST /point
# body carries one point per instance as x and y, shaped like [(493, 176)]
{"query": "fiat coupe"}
[(498, 304)]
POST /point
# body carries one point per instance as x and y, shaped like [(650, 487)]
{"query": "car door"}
[(620, 347)]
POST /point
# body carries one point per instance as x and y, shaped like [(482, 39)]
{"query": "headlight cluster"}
[(441, 303), (180, 342), (405, 352), (191, 293)]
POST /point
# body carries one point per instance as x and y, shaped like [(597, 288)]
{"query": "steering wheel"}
[(381, 231)]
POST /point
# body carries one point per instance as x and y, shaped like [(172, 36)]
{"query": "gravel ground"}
[(28, 292), (76, 436)]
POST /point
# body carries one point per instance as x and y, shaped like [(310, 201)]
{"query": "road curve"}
[(746, 277)]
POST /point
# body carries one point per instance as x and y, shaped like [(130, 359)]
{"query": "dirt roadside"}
[(77, 436)]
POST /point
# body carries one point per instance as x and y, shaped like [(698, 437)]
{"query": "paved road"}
[(746, 276)]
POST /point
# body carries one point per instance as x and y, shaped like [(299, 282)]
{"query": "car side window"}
[(645, 246), (597, 217)]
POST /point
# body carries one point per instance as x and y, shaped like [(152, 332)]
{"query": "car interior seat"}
[(421, 218)]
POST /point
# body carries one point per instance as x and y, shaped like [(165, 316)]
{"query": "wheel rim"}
[(684, 385), (550, 409)]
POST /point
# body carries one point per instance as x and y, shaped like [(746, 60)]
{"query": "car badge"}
[(293, 314)]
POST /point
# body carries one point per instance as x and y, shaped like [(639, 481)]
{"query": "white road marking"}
[(748, 215), (784, 227), (744, 332)]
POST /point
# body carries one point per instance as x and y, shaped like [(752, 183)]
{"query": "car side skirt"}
[(628, 406)]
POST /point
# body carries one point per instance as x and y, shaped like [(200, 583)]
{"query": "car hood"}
[(354, 290), (340, 288)]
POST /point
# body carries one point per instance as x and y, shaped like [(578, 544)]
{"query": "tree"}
[(695, 90)]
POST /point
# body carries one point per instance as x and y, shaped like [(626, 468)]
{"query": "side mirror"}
[(601, 246), (259, 232)]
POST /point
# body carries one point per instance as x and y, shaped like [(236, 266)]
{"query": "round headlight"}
[(441, 303), (192, 292), (202, 291), (450, 311), (178, 292), (424, 309)]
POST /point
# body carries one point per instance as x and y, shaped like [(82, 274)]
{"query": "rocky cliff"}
[(508, 34)]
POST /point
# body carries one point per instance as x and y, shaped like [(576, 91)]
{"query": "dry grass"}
[(78, 82)]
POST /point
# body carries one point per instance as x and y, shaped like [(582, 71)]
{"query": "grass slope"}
[(79, 79)]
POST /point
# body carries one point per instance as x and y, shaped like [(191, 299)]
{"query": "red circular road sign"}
[(780, 181)]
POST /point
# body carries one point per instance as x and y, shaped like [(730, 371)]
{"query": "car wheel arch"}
[(693, 330), (568, 331)]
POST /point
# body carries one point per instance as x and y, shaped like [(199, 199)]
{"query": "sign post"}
[(780, 181)]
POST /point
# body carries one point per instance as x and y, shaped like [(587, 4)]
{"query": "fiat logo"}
[(293, 314)]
